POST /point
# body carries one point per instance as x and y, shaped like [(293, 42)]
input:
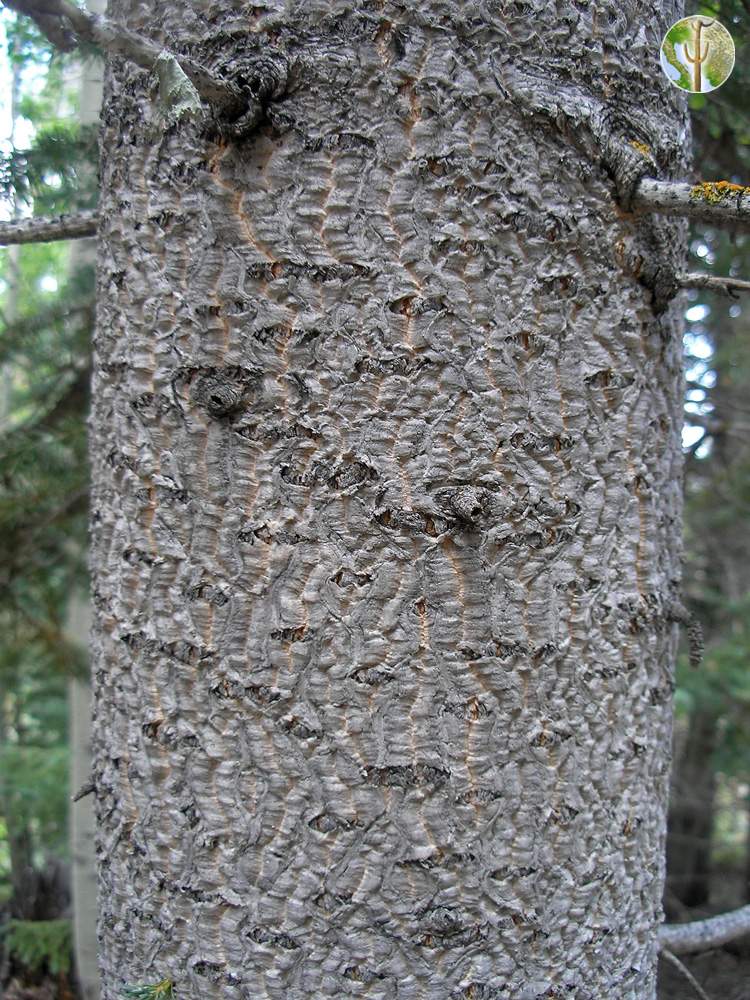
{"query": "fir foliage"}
[(163, 990), (46, 316), (40, 944)]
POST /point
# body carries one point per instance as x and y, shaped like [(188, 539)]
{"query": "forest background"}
[(48, 166)]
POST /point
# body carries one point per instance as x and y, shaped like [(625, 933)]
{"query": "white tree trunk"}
[(83, 861), (386, 509), (83, 871)]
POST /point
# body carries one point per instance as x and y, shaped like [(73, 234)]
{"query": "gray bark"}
[(386, 512)]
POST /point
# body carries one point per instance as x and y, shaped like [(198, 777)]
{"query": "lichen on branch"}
[(714, 192), (719, 202)]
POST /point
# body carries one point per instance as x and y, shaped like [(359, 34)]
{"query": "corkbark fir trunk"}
[(386, 512)]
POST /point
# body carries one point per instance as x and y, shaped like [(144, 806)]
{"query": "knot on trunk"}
[(627, 162), (269, 77), (265, 80), (661, 282), (467, 503), (219, 398)]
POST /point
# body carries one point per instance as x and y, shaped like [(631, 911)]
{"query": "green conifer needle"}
[(163, 990)]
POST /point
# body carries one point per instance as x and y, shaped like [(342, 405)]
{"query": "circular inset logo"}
[(697, 54)]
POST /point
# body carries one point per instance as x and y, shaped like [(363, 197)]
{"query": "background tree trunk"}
[(719, 579), (82, 855), (691, 814), (83, 860), (23, 902), (386, 511)]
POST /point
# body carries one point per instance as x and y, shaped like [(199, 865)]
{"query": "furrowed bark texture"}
[(386, 514)]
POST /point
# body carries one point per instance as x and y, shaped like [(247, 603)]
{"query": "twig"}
[(687, 974), (716, 283), (699, 935), (45, 230), (86, 789)]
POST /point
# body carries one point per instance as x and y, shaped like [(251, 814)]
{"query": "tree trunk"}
[(386, 510), (18, 833), (719, 575), (82, 856), (82, 851)]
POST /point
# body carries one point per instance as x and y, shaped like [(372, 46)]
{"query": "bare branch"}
[(716, 283), (708, 423), (46, 230), (699, 935), (86, 789), (670, 957), (47, 20), (590, 125), (117, 40), (719, 202)]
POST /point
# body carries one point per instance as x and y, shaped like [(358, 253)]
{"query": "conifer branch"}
[(47, 230), (699, 935)]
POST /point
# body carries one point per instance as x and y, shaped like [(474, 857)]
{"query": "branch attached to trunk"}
[(710, 426), (46, 230), (47, 19), (120, 41), (117, 40), (719, 202), (86, 789), (605, 137), (242, 107), (700, 935), (715, 283)]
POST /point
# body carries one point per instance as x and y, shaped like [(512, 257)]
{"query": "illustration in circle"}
[(697, 54)]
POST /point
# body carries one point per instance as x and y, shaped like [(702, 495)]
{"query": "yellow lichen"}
[(715, 191), (642, 148)]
